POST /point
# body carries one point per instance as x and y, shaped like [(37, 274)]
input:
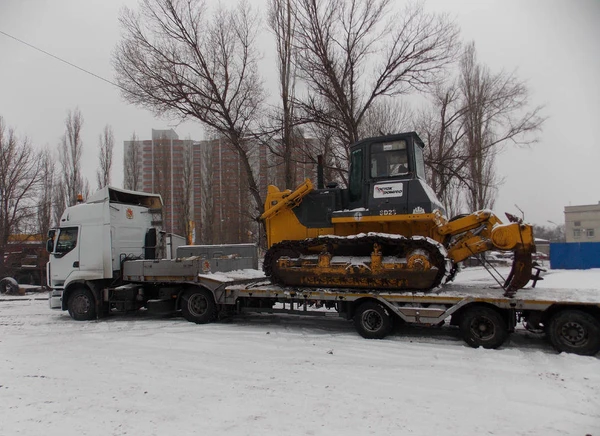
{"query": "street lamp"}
[(558, 232)]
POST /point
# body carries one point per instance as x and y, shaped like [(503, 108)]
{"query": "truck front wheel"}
[(574, 331), (198, 305), (81, 305), (373, 321), (483, 326)]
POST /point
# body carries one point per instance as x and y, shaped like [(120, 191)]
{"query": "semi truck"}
[(106, 257)]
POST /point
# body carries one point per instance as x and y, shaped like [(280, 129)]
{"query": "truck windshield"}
[(67, 240), (389, 159)]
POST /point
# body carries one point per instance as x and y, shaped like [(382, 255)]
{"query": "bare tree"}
[(20, 178), (352, 54), (44, 207), (207, 191), (329, 149), (132, 164), (106, 144), (555, 233), (175, 60), (59, 193), (470, 120), (70, 151), (161, 179), (384, 117), (495, 113), (282, 21), (186, 185), (442, 128)]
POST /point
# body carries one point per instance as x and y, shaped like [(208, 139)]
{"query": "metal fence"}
[(580, 255)]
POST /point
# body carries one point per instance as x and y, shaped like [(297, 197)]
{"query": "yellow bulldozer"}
[(386, 231)]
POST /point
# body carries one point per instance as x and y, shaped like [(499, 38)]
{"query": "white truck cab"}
[(93, 238)]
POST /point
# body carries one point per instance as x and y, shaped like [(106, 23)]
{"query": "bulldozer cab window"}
[(356, 177), (419, 162), (389, 159)]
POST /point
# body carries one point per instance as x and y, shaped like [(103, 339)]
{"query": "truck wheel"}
[(574, 331), (483, 326), (198, 305), (81, 305), (373, 321), (9, 286)]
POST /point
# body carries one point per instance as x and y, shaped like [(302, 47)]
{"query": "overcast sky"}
[(554, 45)]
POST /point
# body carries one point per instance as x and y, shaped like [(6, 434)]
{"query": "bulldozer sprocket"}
[(299, 263)]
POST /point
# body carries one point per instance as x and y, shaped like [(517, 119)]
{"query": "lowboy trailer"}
[(570, 318)]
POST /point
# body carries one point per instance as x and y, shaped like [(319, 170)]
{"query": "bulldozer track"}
[(391, 246)]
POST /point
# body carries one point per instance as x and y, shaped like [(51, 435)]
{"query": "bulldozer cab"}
[(387, 176)]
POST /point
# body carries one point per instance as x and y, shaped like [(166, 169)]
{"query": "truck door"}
[(65, 257)]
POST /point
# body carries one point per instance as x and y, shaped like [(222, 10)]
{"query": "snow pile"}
[(229, 276)]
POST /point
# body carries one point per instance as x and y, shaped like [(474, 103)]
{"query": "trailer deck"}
[(450, 293), (420, 307)]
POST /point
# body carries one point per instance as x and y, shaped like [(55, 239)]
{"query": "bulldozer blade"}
[(520, 273)]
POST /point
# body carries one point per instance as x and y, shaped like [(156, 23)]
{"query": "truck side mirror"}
[(50, 245)]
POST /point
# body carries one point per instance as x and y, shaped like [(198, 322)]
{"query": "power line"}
[(62, 60)]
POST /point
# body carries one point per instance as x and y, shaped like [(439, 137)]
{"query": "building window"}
[(590, 233), (576, 233), (577, 223)]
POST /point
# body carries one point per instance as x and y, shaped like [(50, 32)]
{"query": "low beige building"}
[(582, 223)]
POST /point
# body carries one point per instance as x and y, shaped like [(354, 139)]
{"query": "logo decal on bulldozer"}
[(388, 190)]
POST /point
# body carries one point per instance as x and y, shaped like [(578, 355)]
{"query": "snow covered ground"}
[(284, 375)]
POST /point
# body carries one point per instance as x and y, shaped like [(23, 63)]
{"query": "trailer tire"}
[(483, 326), (574, 331), (373, 321), (9, 286), (81, 305), (198, 305)]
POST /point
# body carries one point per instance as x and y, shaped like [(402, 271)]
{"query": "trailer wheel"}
[(81, 305), (483, 326), (373, 321), (574, 331), (198, 305), (8, 286)]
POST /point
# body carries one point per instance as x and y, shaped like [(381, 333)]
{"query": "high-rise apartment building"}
[(157, 166), (203, 184)]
